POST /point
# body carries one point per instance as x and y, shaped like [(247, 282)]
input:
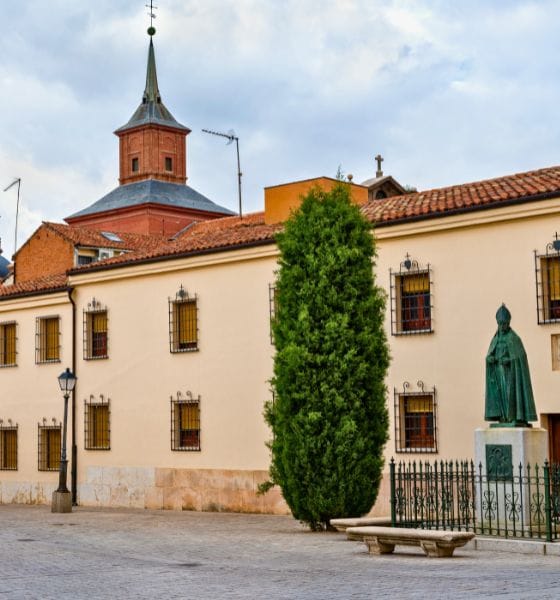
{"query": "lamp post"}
[(62, 498)]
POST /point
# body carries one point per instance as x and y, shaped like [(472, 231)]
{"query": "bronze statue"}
[(509, 395)]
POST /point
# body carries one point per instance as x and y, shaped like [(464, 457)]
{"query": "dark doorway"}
[(554, 438)]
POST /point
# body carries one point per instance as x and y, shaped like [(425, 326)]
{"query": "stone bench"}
[(382, 540), (344, 524)]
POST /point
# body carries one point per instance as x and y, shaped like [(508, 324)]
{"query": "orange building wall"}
[(151, 145), (281, 200), (45, 253)]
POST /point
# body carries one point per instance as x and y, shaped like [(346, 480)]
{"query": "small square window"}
[(183, 322), (135, 165), (7, 344), (168, 163), (415, 420), (8, 447), (47, 340), (49, 447), (185, 423), (97, 428), (95, 331), (411, 299)]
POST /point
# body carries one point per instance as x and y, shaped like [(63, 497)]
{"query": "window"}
[(168, 163), (411, 299), (135, 165), (49, 446), (8, 446), (183, 322), (47, 340), (185, 422), (7, 344), (547, 271), (95, 331), (415, 420), (85, 260), (97, 424)]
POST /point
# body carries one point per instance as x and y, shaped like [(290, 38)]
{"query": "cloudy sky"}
[(446, 91)]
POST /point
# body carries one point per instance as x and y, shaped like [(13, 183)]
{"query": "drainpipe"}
[(74, 489)]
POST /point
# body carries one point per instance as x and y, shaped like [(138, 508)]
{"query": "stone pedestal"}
[(61, 502), (509, 495)]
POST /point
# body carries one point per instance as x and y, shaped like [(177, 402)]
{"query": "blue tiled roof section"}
[(158, 192), (3, 267), (152, 113)]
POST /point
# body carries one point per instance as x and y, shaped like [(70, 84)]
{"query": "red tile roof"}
[(50, 283), (442, 202)]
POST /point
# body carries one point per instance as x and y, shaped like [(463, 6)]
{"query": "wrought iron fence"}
[(457, 495)]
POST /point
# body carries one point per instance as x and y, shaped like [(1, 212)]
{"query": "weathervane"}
[(152, 16)]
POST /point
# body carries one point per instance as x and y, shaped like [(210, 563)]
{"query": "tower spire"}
[(151, 93)]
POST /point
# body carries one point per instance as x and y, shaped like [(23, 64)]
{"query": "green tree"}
[(329, 417)]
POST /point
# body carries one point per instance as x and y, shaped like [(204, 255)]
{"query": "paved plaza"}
[(110, 553)]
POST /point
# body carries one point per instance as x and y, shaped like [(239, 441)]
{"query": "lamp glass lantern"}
[(67, 381)]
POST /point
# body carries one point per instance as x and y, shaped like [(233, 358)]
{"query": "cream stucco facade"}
[(477, 261)]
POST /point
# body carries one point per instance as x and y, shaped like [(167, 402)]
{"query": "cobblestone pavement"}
[(124, 554)]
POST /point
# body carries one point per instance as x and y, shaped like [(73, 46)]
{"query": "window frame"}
[(42, 345), (5, 352), (45, 454), (404, 442), (419, 301), (177, 328), (179, 403), (546, 313), (135, 164), (7, 450), (95, 311), (168, 164), (92, 407)]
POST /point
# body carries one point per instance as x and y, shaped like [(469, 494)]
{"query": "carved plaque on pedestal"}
[(499, 461)]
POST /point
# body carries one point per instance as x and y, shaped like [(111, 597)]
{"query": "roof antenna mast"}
[(18, 181), (231, 137)]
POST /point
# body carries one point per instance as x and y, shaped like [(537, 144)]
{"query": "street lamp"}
[(62, 498)]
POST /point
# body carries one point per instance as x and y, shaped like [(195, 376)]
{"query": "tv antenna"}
[(231, 137), (18, 181)]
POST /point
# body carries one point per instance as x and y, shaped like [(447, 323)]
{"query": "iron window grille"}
[(8, 344), (411, 298), (185, 422), (8, 446), (547, 279), (415, 419), (47, 340), (97, 423), (95, 331), (183, 322), (272, 307), (49, 445)]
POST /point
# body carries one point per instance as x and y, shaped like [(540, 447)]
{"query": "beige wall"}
[(477, 261)]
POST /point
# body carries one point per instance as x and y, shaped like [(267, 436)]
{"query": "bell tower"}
[(152, 145)]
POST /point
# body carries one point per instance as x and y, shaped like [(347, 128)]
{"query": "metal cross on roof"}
[(379, 160), (151, 13)]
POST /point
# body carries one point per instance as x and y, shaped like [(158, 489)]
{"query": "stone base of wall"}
[(23, 492), (179, 489)]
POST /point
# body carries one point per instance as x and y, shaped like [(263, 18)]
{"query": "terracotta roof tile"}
[(489, 193), (49, 283)]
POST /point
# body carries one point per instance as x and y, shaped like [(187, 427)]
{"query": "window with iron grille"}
[(8, 349), (547, 275), (95, 331), (8, 446), (415, 419), (47, 340), (272, 307), (97, 423), (185, 422), (411, 299), (49, 446), (183, 322)]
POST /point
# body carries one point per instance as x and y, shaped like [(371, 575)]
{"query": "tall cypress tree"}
[(329, 417)]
